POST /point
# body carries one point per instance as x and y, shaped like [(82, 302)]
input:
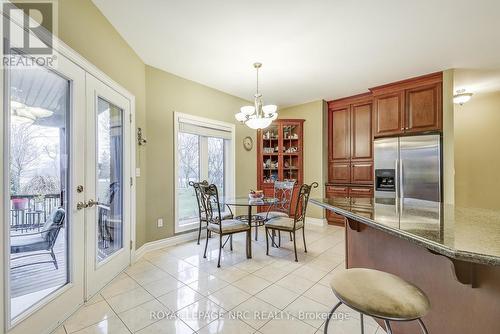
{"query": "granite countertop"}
[(466, 234)]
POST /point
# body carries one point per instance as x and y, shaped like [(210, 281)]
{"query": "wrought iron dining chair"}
[(215, 223), (294, 224), (42, 241), (201, 211), (283, 191)]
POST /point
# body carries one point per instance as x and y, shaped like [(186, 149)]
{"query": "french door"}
[(66, 191), (44, 131), (107, 183)]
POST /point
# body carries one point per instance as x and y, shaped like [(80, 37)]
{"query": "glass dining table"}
[(253, 220)]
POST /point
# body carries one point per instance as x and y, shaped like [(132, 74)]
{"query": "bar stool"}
[(380, 295)]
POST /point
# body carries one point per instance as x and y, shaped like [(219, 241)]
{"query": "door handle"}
[(81, 205), (91, 203)]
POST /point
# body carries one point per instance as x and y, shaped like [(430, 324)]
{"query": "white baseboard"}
[(316, 221), (157, 244)]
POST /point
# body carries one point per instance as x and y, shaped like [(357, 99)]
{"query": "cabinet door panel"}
[(362, 172), (339, 173), (340, 146), (423, 108), (361, 192), (361, 128), (388, 117), (335, 191)]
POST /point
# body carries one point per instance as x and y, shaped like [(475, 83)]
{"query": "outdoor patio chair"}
[(41, 242)]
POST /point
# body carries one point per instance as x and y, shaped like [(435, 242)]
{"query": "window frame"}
[(229, 163)]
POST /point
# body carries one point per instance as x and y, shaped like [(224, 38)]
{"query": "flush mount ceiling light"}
[(258, 116), (461, 97), (27, 113)]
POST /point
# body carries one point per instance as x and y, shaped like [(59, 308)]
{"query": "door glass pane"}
[(216, 163), (188, 170), (109, 190), (38, 160)]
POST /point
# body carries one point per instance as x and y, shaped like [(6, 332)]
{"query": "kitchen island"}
[(451, 253)]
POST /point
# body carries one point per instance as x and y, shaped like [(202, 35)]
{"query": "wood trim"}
[(426, 79), (346, 101)]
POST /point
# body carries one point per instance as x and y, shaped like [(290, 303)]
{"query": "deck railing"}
[(28, 212)]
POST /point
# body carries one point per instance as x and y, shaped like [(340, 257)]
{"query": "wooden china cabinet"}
[(280, 155)]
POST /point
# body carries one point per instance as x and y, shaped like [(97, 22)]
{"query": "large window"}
[(204, 150)]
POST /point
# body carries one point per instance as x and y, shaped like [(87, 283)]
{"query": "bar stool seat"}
[(379, 294)]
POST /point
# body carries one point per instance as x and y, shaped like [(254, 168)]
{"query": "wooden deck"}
[(38, 277)]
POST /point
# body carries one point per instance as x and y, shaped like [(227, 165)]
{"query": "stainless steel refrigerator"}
[(408, 167)]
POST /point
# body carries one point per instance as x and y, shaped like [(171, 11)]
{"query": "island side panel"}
[(456, 308)]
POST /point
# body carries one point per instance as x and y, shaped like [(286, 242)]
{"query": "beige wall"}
[(448, 138), (166, 93), (314, 147), (477, 152), (88, 32)]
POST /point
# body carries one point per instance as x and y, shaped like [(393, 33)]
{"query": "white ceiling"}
[(311, 49)]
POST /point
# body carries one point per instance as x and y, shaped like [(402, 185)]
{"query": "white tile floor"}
[(176, 290)]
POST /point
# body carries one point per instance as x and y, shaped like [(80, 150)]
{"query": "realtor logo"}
[(28, 27)]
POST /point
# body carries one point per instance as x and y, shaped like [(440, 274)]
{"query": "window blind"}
[(203, 129)]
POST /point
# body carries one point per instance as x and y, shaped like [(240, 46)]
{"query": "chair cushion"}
[(225, 215), (380, 294), (272, 214), (284, 223), (28, 243), (55, 220), (229, 226)]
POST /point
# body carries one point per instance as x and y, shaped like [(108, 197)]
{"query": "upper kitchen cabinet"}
[(388, 114), (339, 122), (361, 131), (350, 140), (423, 108), (409, 106)]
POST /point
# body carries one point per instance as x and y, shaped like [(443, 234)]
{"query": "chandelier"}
[(258, 116)]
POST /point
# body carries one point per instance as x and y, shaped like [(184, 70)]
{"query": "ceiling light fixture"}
[(258, 116), (29, 114), (461, 97)]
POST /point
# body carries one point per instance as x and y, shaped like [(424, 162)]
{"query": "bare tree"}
[(216, 162), (188, 158), (23, 152)]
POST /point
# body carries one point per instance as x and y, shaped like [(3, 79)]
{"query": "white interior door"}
[(43, 150), (108, 184)]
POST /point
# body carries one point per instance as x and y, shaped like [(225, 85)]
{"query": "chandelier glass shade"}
[(258, 116)]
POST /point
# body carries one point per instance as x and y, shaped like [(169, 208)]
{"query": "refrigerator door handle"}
[(396, 181), (401, 184)]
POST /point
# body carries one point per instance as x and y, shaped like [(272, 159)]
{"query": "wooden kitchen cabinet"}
[(361, 131), (424, 108), (350, 140), (408, 107), (388, 114), (340, 143), (356, 193), (339, 172), (362, 172), (336, 191), (350, 147)]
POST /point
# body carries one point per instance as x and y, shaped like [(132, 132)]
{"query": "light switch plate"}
[(159, 223), (137, 172)]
